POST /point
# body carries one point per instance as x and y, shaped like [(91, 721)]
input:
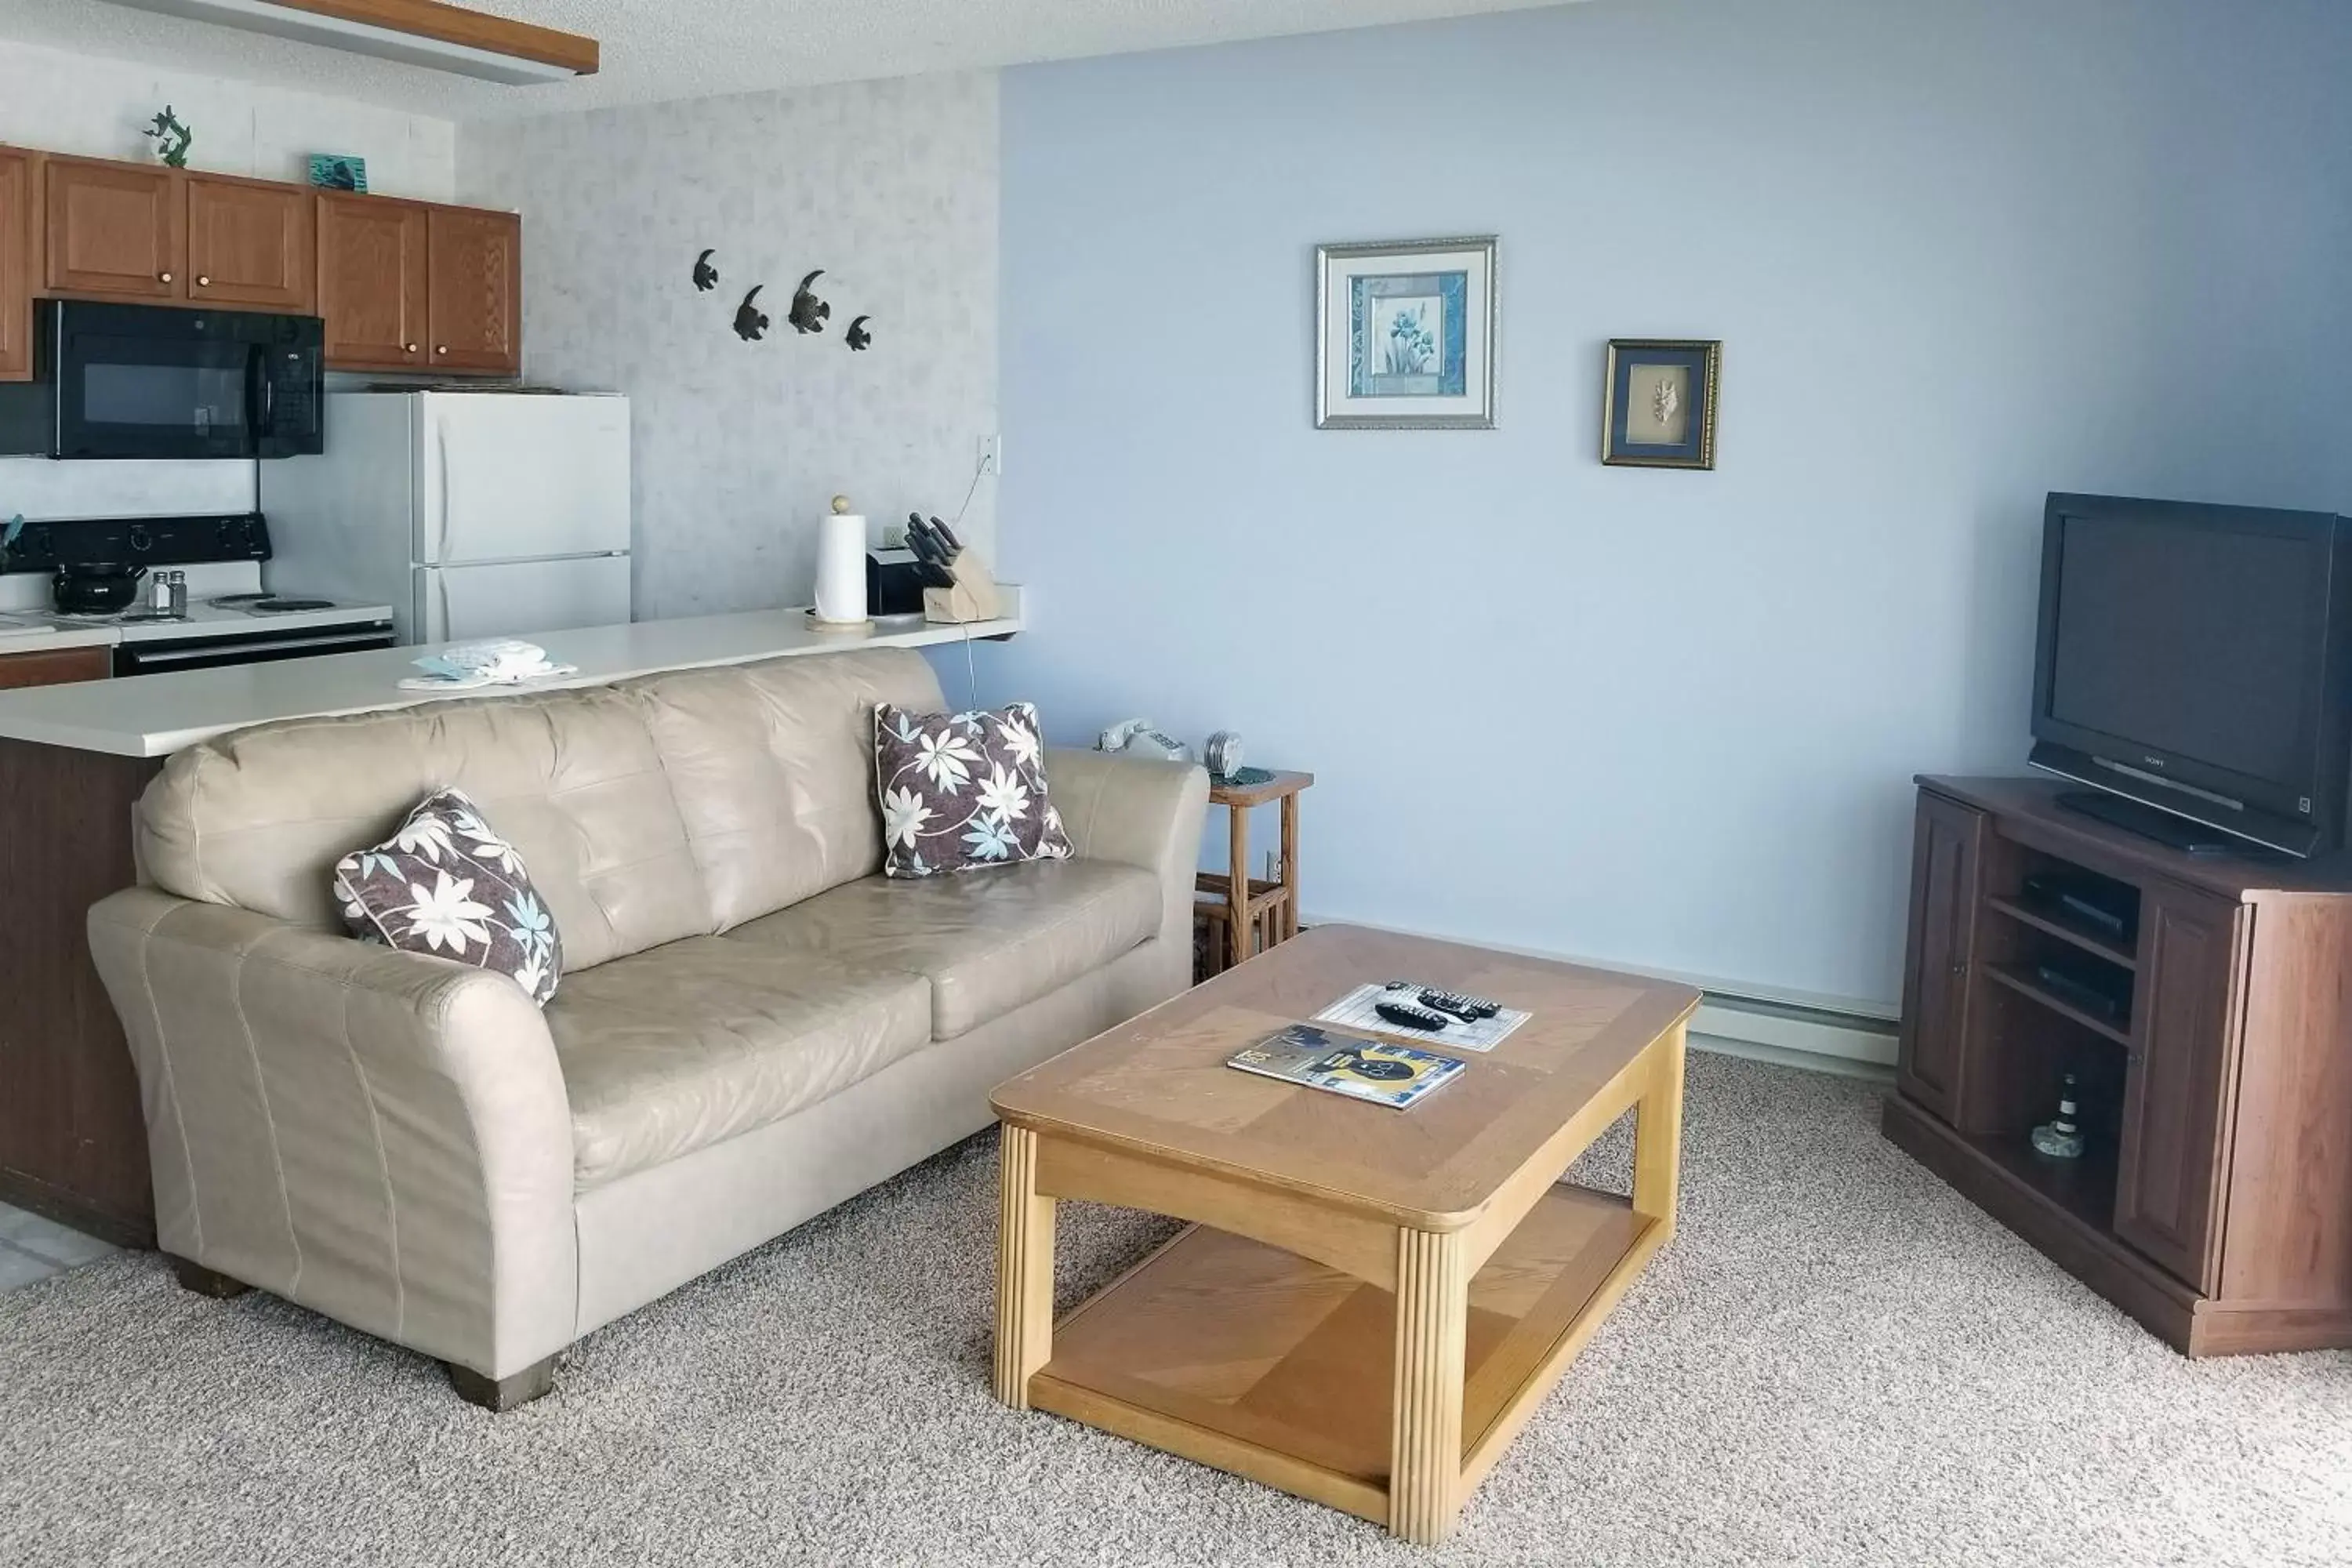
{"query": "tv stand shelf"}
[(2214, 1202), (2024, 985)]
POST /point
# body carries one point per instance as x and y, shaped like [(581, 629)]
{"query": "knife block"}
[(973, 597)]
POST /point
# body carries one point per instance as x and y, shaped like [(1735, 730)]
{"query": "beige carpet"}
[(1838, 1360)]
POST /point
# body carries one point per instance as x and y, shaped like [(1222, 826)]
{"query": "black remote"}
[(1469, 1009), (1412, 1017)]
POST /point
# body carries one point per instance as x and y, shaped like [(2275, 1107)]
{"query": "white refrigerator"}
[(473, 515)]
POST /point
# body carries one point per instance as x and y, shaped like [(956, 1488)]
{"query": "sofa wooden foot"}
[(502, 1394), (204, 1281)]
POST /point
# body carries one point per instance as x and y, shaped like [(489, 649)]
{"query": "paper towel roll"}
[(841, 567)]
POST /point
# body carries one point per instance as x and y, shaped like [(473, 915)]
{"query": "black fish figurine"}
[(705, 275), (857, 337), (808, 313), (750, 319)]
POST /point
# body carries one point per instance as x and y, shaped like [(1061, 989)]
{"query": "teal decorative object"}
[(171, 138)]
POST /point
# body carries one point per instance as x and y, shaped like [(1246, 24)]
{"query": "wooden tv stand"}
[(2214, 1204)]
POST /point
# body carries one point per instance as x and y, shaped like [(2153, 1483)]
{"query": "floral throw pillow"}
[(961, 791), (446, 885)]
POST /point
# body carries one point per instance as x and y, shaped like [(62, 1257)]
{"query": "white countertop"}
[(33, 634), (156, 715)]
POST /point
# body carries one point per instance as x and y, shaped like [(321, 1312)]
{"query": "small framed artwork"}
[(1657, 410), (339, 172), (1404, 335)]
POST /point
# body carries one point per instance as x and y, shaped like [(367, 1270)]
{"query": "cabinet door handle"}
[(443, 349), (203, 281), (162, 277), (408, 348), (1959, 966)]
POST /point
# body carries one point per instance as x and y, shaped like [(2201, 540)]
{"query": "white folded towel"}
[(497, 661)]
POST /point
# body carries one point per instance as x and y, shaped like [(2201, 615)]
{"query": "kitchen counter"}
[(29, 634), (156, 715)]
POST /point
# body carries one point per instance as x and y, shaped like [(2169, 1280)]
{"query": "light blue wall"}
[(1961, 254)]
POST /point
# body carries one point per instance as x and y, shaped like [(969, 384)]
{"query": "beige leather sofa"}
[(753, 1025)]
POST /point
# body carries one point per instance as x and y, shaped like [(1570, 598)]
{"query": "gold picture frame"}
[(1658, 403)]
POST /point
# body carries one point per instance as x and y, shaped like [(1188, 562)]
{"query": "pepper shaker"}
[(180, 595)]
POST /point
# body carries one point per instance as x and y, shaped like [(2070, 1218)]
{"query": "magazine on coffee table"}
[(1358, 1009), (1353, 1065)]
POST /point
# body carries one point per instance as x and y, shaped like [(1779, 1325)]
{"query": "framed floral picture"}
[(1404, 335), (1657, 404)]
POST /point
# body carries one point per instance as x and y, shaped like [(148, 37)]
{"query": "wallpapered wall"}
[(891, 187), (73, 104), (1961, 255)]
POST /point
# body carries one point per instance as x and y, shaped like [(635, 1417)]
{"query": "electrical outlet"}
[(991, 455), (894, 536)]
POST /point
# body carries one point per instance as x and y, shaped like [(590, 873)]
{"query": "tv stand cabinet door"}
[(1947, 867), (2167, 1190)]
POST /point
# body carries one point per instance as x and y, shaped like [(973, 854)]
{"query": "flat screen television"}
[(2194, 668)]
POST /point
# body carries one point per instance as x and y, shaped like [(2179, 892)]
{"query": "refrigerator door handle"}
[(441, 453), (441, 581)]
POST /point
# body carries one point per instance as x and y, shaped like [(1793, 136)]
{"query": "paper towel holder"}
[(857, 624)]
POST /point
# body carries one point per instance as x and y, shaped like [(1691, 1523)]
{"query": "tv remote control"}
[(1412, 1017), (1469, 1009)]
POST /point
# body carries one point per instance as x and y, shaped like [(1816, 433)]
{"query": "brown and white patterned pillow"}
[(447, 885), (962, 790)]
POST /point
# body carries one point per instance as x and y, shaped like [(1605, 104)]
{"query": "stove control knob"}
[(140, 540)]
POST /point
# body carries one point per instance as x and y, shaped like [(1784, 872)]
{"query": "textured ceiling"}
[(656, 49)]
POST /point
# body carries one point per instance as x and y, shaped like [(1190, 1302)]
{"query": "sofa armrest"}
[(381, 1136), (1137, 812)]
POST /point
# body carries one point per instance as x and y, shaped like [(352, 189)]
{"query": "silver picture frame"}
[(1348, 397)]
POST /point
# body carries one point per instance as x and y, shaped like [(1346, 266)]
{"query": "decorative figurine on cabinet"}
[(171, 138)]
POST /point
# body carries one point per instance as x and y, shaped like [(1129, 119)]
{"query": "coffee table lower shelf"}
[(1250, 1359)]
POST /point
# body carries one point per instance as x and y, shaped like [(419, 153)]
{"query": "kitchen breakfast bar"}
[(73, 761)]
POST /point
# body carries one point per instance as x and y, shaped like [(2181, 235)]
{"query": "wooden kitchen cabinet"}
[(250, 243), (401, 285), (372, 257), (53, 667), (475, 272), (114, 230), (20, 263)]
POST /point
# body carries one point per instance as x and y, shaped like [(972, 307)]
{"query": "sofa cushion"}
[(774, 768), (987, 943), (258, 818), (670, 1050)]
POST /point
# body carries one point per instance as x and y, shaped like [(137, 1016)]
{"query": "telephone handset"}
[(1137, 736)]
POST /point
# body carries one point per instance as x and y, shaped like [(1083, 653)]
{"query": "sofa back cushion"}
[(572, 779), (774, 768)]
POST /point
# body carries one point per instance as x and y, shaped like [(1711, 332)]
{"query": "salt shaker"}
[(159, 593)]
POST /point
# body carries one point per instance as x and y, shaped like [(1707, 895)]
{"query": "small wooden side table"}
[(1265, 912)]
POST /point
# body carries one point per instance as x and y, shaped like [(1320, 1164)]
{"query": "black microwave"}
[(149, 381)]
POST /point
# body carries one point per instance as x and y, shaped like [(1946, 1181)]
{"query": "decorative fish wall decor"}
[(706, 275), (857, 337), (808, 313), (750, 319)]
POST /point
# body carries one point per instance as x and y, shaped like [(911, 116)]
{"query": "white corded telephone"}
[(1138, 737)]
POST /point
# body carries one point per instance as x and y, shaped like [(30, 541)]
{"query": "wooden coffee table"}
[(1370, 1303)]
